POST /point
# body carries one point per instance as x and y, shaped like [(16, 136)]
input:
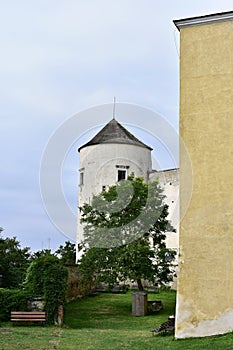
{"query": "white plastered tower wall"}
[(114, 149), (100, 164), (110, 156)]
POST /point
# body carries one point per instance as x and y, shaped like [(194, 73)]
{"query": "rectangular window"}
[(81, 178), (121, 175), (122, 166)]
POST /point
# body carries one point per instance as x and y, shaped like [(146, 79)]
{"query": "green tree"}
[(124, 235), (39, 253), (67, 253), (13, 262), (37, 270)]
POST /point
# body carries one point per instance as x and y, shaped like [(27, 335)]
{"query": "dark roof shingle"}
[(114, 132)]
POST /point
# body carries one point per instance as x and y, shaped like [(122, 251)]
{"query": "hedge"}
[(12, 300), (47, 277)]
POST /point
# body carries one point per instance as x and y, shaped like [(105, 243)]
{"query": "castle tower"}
[(205, 279), (110, 156)]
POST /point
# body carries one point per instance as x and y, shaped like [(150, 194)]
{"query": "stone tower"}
[(110, 156), (205, 279)]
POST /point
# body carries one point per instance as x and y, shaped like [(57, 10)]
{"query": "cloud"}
[(61, 57)]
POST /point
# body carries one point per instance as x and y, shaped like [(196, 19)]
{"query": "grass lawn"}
[(104, 322)]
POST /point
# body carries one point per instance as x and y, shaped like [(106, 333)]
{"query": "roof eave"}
[(112, 142), (206, 19)]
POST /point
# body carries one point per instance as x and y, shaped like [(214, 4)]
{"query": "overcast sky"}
[(60, 58)]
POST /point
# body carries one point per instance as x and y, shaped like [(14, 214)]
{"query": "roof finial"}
[(114, 108)]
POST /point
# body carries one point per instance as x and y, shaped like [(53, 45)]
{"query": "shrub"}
[(47, 277), (12, 300), (55, 281), (36, 273)]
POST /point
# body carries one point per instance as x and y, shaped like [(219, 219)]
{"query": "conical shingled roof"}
[(114, 132)]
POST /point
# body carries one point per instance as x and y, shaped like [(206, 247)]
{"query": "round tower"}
[(109, 157)]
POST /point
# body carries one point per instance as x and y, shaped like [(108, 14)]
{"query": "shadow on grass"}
[(114, 311)]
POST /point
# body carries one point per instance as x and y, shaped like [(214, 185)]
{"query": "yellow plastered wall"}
[(205, 281)]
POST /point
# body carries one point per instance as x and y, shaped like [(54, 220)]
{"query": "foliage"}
[(14, 265), (67, 253), (125, 235), (46, 277), (12, 300), (54, 290), (37, 271), (75, 288), (39, 253)]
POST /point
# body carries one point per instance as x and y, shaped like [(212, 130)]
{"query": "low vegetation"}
[(11, 299), (25, 276), (47, 277), (105, 322)]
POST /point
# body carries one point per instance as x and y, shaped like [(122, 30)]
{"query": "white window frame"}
[(81, 178), (122, 168)]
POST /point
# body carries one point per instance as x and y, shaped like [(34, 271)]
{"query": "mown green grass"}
[(105, 322), (29, 338)]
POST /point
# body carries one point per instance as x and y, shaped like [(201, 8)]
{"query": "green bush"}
[(47, 277), (55, 282), (14, 264), (12, 300), (36, 273)]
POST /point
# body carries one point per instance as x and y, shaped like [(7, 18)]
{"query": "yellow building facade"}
[(205, 281)]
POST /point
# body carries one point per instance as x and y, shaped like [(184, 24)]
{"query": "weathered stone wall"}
[(74, 288), (205, 283)]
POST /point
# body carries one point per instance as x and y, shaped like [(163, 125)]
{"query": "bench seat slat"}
[(27, 316), (27, 320), (31, 313)]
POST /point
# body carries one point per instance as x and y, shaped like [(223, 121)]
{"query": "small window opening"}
[(121, 175), (103, 188), (81, 179)]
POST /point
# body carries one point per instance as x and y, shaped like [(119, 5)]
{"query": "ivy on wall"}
[(54, 291), (47, 277)]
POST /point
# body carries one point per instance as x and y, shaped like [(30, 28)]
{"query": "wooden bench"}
[(28, 316)]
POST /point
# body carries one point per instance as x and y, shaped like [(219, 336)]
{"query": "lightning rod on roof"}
[(114, 107)]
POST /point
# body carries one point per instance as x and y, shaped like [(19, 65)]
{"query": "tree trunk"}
[(140, 286)]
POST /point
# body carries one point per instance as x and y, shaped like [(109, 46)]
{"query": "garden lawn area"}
[(104, 322)]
